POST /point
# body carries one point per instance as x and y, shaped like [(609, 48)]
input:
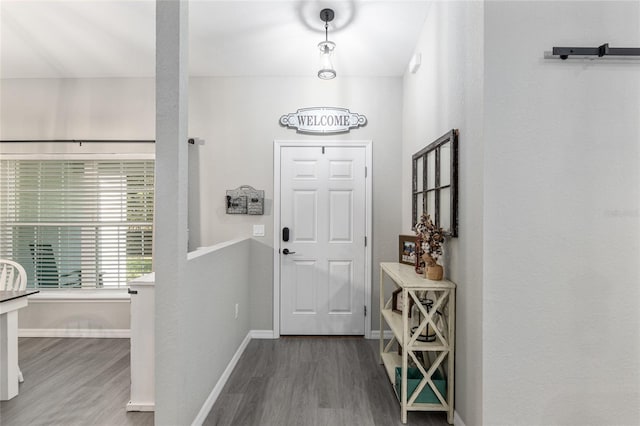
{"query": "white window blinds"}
[(77, 223)]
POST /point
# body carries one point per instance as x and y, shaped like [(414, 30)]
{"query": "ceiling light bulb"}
[(326, 71)]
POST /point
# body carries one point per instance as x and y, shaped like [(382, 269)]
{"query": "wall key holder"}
[(245, 200)]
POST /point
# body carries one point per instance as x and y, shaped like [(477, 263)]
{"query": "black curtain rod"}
[(600, 51), (80, 141)]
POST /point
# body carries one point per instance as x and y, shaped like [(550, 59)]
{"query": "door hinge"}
[(365, 241), (365, 172), (365, 310), (323, 149)]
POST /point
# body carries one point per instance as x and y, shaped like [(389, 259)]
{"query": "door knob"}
[(286, 251)]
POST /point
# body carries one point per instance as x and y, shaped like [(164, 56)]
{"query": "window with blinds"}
[(77, 223)]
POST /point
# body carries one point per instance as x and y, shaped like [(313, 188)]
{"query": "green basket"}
[(413, 380)]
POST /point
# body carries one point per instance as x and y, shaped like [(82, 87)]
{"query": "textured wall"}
[(446, 93), (75, 317), (238, 119), (562, 229), (98, 108), (209, 333)]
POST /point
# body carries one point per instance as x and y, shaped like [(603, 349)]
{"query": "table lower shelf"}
[(392, 360), (418, 406)]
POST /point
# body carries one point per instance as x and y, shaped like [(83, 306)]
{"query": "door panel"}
[(323, 205), (340, 216), (305, 170), (340, 170), (305, 286), (340, 286), (305, 214)]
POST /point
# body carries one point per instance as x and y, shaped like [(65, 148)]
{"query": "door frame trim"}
[(277, 147)]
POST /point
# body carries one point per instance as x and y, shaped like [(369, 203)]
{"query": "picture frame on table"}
[(407, 249), (398, 303)]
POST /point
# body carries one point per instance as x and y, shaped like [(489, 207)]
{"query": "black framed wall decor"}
[(435, 183)]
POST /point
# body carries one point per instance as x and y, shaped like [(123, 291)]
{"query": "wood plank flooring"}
[(311, 381), (73, 382), (293, 381)]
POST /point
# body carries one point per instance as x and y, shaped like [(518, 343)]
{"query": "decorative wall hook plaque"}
[(323, 120), (245, 200)]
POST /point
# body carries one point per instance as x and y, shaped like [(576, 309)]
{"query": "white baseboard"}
[(261, 334), (217, 389), (75, 332), (140, 407), (375, 334), (457, 421)]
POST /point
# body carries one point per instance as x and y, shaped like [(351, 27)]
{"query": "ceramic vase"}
[(435, 272)]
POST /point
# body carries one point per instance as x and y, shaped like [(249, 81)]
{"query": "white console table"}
[(431, 358)]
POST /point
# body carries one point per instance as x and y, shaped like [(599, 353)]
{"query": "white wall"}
[(208, 332), (562, 228), (71, 317), (107, 108), (238, 118), (76, 109), (446, 93)]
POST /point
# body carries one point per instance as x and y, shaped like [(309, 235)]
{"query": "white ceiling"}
[(106, 38)]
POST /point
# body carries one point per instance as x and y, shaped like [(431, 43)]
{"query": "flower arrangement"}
[(432, 238)]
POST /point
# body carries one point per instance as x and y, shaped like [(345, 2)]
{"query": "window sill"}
[(93, 295)]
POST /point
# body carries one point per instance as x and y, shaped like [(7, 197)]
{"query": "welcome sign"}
[(323, 120)]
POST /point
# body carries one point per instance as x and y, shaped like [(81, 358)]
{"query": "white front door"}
[(322, 203)]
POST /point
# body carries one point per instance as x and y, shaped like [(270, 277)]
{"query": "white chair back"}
[(13, 277)]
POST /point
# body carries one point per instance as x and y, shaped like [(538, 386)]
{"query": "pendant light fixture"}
[(326, 47)]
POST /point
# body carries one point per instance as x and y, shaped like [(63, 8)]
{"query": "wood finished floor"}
[(293, 381), (73, 382), (306, 381)]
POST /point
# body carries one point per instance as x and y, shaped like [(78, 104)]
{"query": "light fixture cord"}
[(326, 26)]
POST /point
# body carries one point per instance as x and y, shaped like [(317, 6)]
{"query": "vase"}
[(435, 272), (428, 260)]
